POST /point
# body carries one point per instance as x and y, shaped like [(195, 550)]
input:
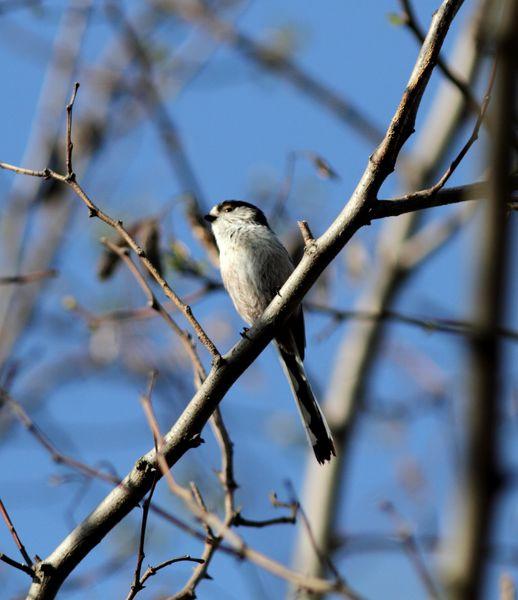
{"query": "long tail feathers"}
[(317, 430)]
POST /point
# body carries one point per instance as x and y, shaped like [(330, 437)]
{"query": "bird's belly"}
[(246, 279)]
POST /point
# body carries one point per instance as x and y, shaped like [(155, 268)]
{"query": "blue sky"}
[(238, 124)]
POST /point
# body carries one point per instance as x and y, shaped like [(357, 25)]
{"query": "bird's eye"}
[(228, 209)]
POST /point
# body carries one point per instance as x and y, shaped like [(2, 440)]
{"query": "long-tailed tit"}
[(254, 266)]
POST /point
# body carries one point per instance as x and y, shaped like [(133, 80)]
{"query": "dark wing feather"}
[(298, 330)]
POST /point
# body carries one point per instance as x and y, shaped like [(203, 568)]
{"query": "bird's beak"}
[(210, 218)]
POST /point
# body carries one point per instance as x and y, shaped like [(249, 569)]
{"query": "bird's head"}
[(235, 213)]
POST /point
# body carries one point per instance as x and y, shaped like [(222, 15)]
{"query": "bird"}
[(254, 266)]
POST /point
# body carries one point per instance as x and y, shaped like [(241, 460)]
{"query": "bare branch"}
[(412, 550), (17, 565), (424, 199), (217, 530), (150, 571), (430, 324), (28, 277), (15, 536), (291, 519), (323, 557), (137, 584), (423, 195), (95, 211), (58, 457), (412, 23), (149, 94), (69, 144)]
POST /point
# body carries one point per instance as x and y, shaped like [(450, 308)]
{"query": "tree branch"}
[(15, 536), (95, 211), (15, 564), (453, 326), (410, 20), (28, 277), (425, 199)]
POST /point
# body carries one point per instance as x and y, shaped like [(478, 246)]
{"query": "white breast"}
[(254, 265)]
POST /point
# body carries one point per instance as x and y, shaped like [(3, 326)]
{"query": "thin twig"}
[(17, 565), (15, 536), (437, 187), (291, 519), (192, 498), (149, 94), (325, 559), (87, 470), (95, 211), (156, 305), (422, 199), (222, 529), (57, 456), (150, 571), (132, 314), (137, 584), (226, 475), (431, 324), (28, 277), (411, 549), (321, 165), (70, 145)]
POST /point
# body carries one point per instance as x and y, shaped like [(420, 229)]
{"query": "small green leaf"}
[(396, 19)]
